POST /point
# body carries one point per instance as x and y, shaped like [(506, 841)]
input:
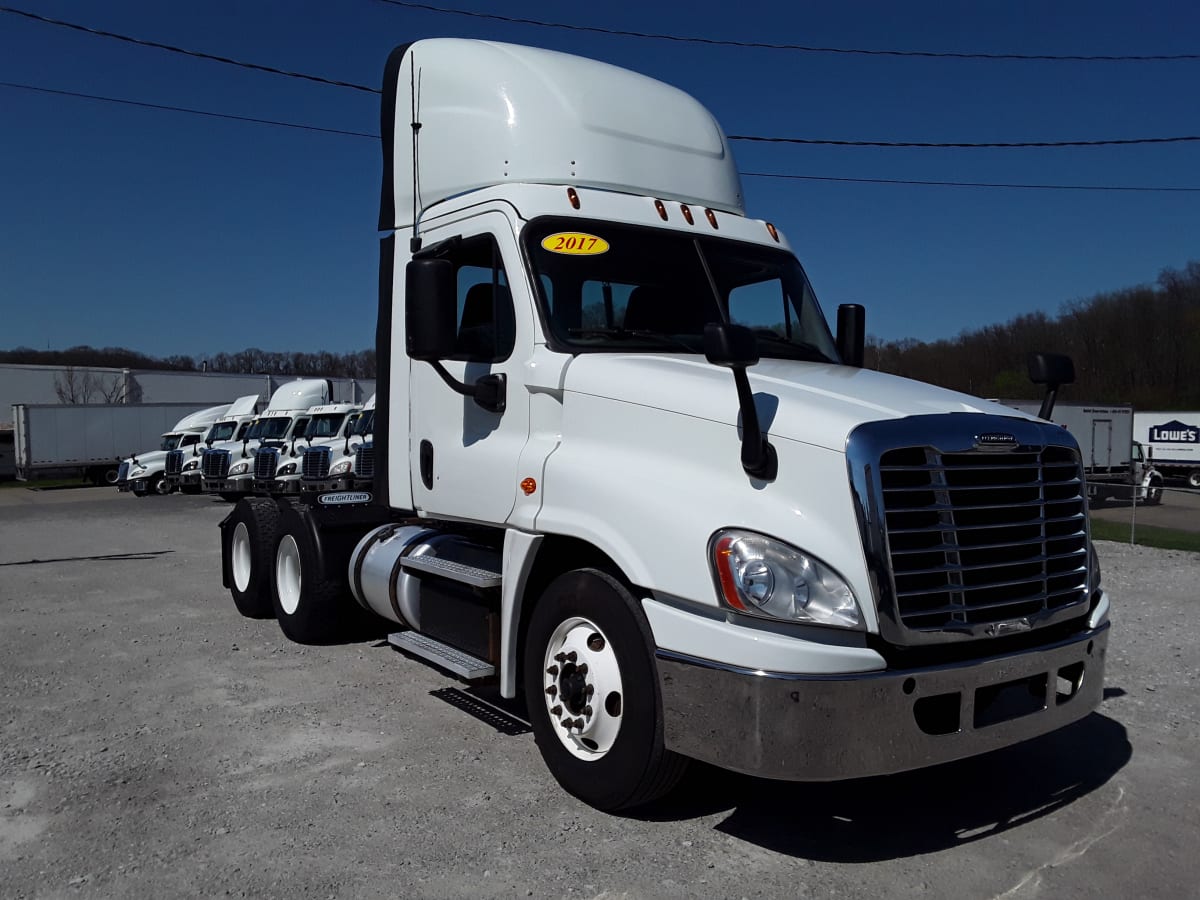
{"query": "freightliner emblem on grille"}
[(995, 440)]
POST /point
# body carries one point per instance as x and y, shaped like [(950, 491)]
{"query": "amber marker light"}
[(722, 551), (573, 197), (771, 230), (662, 209), (687, 214), (528, 486), (712, 218)]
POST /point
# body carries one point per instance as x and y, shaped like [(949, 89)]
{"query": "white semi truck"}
[(146, 473), (343, 465), (1173, 442), (623, 466), (227, 469), (183, 465), (278, 470)]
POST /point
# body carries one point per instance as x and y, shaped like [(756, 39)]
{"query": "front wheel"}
[(1194, 478), (1154, 492), (591, 687)]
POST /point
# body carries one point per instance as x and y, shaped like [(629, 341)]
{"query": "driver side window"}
[(486, 320)]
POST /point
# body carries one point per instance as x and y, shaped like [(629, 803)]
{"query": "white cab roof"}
[(495, 113), (199, 421), (244, 406), (299, 395)]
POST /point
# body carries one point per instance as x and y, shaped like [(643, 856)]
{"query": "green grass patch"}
[(1146, 535)]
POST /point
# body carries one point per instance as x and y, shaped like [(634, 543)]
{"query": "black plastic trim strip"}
[(383, 371), (387, 128)]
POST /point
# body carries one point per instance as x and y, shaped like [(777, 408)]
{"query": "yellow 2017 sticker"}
[(574, 243)]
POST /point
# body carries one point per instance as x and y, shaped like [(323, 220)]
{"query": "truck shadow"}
[(875, 819)]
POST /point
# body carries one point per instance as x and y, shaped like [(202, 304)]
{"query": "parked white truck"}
[(278, 470), (227, 469), (1114, 464), (343, 465), (183, 464), (146, 473), (623, 465), (1173, 442)]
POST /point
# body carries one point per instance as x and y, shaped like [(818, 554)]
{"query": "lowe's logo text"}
[(344, 497), (1174, 432)]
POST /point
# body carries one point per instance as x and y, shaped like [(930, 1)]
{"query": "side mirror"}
[(730, 346), (852, 334), (1053, 370), (430, 309)]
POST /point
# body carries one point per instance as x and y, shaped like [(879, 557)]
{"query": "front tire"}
[(591, 687), (1154, 492), (253, 529), (1194, 478)]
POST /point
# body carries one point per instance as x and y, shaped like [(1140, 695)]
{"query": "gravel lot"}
[(155, 744)]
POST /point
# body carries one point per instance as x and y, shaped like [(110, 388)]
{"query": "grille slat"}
[(975, 537)]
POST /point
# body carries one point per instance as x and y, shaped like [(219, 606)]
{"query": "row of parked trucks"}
[(299, 442)]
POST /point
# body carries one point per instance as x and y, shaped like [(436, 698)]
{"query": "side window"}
[(190, 439), (486, 321), (242, 429)]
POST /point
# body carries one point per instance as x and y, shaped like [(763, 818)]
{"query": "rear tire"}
[(229, 498), (253, 531), (591, 688), (309, 590)]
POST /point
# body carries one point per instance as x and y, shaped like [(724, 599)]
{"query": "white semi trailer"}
[(623, 465), (1173, 442)]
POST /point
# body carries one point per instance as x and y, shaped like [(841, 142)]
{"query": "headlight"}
[(341, 467), (239, 468), (289, 469), (764, 577), (191, 464), (137, 470)]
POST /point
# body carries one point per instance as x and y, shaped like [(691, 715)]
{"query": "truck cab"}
[(183, 465), (227, 469), (145, 473), (279, 469), (346, 464), (624, 466)]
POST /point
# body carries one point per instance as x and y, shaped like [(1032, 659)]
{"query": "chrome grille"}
[(215, 463), (123, 472), (174, 462), (266, 461), (978, 541), (364, 461), (315, 463)]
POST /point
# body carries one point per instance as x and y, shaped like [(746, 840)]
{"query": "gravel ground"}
[(155, 744)]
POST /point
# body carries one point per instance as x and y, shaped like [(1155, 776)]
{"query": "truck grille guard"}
[(214, 463), (976, 529), (315, 463), (266, 461)]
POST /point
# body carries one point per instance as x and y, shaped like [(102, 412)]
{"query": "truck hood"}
[(815, 403)]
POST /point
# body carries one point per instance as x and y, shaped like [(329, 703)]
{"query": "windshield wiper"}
[(625, 334)]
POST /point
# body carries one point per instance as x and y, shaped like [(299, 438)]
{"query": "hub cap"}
[(582, 688)]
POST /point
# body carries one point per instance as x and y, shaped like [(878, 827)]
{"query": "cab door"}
[(463, 459)]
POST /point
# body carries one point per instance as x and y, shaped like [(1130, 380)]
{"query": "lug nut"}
[(556, 710), (552, 690), (582, 670), (589, 690), (560, 657), (553, 670), (572, 656), (587, 711)]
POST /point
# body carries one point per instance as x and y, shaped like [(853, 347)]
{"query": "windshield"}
[(272, 429), (170, 441), (222, 431), (648, 289), (325, 425)]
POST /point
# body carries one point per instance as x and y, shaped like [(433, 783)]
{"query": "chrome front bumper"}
[(824, 728)]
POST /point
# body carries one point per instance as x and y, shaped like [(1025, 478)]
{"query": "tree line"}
[(251, 361), (1139, 345)]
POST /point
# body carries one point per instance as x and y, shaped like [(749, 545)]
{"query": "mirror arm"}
[(488, 392)]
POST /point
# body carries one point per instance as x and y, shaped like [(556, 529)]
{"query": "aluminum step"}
[(455, 571), (462, 664)]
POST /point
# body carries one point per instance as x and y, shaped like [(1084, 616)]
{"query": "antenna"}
[(414, 90)]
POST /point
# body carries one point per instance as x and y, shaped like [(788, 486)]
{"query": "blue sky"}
[(171, 233)]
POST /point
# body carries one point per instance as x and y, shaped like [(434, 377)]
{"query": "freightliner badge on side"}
[(623, 465)]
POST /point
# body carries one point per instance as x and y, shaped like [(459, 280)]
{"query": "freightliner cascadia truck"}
[(624, 467)]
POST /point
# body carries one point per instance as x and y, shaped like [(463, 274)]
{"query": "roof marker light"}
[(712, 218), (687, 214), (662, 209), (774, 234), (573, 197)]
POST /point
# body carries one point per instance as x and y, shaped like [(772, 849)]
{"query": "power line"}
[(975, 184), (800, 48), (184, 109), (965, 145), (197, 54), (779, 175), (826, 142)]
